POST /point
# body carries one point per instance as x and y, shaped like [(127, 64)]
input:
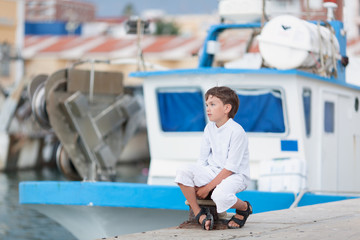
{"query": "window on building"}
[(329, 117), (181, 109), (261, 110), (307, 110)]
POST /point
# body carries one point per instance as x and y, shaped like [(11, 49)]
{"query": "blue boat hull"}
[(136, 195)]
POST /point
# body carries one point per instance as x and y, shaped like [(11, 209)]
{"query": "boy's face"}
[(217, 111)]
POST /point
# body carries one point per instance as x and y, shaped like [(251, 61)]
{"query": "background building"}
[(11, 41), (107, 38), (59, 10), (57, 17)]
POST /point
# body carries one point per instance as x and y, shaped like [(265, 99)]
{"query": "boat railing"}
[(298, 197), (304, 191)]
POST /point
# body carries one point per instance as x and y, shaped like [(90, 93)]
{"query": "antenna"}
[(330, 5), (140, 27)]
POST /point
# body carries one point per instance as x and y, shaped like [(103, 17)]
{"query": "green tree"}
[(166, 28), (129, 10)]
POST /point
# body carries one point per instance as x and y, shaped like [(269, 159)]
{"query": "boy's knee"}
[(218, 195), (183, 172), (221, 195), (223, 199), (184, 176), (186, 171)]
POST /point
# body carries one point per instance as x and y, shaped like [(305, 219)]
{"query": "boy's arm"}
[(203, 191)]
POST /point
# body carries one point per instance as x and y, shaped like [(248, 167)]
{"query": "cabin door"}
[(346, 145), (329, 146)]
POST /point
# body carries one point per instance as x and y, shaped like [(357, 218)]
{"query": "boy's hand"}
[(202, 192)]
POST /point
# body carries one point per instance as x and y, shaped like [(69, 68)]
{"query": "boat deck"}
[(335, 220)]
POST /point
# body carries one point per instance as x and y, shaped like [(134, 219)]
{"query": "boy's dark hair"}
[(227, 96)]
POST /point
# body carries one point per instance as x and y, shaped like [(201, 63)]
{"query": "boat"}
[(299, 112), (94, 210)]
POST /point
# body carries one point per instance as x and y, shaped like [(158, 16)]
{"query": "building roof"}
[(76, 47), (154, 47)]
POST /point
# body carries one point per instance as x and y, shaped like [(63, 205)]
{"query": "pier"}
[(335, 220)]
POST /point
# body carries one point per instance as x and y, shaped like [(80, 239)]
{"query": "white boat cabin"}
[(303, 128)]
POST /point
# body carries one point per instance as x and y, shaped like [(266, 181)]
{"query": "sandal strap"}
[(249, 208), (202, 212), (240, 222), (209, 217), (247, 212)]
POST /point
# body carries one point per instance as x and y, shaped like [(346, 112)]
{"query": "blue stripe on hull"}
[(135, 195)]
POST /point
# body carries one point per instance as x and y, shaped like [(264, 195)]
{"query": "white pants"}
[(192, 175)]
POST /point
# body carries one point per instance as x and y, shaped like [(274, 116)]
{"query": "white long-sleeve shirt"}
[(225, 147)]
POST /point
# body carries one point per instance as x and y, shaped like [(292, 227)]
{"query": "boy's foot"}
[(239, 219), (205, 219), (207, 223), (233, 224)]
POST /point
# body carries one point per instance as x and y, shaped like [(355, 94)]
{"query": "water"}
[(18, 222)]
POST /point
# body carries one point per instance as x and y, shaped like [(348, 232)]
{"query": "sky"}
[(114, 8)]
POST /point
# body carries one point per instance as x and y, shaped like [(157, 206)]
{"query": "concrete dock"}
[(335, 220)]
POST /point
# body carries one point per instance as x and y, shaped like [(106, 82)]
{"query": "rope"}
[(333, 53), (322, 69)]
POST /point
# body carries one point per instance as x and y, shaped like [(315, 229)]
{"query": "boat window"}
[(307, 110), (261, 110), (329, 120), (181, 109)]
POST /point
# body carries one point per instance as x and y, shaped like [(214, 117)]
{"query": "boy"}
[(223, 165)]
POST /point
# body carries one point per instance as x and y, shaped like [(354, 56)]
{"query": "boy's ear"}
[(228, 108)]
